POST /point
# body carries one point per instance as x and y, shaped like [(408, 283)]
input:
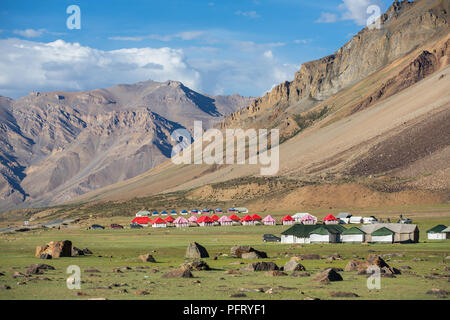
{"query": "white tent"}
[(356, 220), (298, 216), (143, 213)]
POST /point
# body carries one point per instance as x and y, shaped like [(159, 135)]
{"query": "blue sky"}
[(215, 47)]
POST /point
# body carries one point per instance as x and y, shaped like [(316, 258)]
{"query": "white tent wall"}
[(352, 238), (436, 236), (319, 238), (159, 225), (384, 239)]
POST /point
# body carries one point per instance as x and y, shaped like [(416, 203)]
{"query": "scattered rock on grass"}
[(276, 273), (247, 252), (293, 265), (260, 266), (327, 275), (238, 295), (38, 268), (147, 258), (178, 273), (197, 264)]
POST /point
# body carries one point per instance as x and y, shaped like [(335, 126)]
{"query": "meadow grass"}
[(119, 248)]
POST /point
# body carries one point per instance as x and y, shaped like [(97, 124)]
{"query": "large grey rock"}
[(260, 266), (327, 275), (196, 251), (293, 265), (178, 273), (247, 252)]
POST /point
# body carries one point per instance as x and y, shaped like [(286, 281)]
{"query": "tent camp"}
[(169, 219), (269, 221), (325, 234), (447, 230), (241, 210), (192, 219), (287, 220), (195, 211), (403, 233), (225, 221), (437, 233), (234, 217), (159, 223), (155, 213), (143, 213), (218, 211), (184, 212), (383, 235), (330, 219), (173, 213), (164, 213), (308, 219), (232, 210), (206, 211), (143, 221), (205, 221), (247, 221), (181, 222), (353, 235), (215, 217), (298, 216), (256, 217), (344, 217), (356, 220)]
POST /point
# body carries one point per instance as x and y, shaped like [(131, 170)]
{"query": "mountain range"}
[(366, 126), (55, 146)]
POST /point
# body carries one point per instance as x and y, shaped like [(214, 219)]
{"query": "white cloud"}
[(36, 66), (356, 10), (302, 41), (250, 14), (59, 65), (326, 17), (29, 33), (185, 35)]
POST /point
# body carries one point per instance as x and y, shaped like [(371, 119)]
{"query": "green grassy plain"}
[(119, 248)]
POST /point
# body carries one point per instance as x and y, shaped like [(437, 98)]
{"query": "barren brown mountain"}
[(364, 127), (58, 145)]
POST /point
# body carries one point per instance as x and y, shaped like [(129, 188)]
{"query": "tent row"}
[(204, 220), (334, 233), (439, 232), (145, 213)]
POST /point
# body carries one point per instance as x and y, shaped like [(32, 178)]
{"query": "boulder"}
[(352, 265), (254, 255), (45, 256), (87, 251), (327, 275), (196, 251), (147, 258), (198, 265), (238, 252), (56, 249), (179, 273), (38, 268), (372, 260), (293, 265), (260, 266), (77, 252)]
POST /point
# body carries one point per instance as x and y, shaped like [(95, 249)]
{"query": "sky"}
[(214, 47)]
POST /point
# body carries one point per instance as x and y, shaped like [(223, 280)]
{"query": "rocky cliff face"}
[(57, 145), (404, 26)]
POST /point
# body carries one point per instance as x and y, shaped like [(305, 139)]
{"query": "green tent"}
[(437, 229), (382, 232)]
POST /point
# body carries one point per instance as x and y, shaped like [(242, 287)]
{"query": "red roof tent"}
[(247, 218), (287, 218), (256, 217), (204, 219), (141, 220), (234, 217), (169, 219), (158, 221), (329, 218), (215, 217)]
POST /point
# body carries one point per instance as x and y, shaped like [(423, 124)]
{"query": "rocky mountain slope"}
[(368, 123), (57, 145)]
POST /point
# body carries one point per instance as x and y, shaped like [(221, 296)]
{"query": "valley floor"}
[(119, 248)]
